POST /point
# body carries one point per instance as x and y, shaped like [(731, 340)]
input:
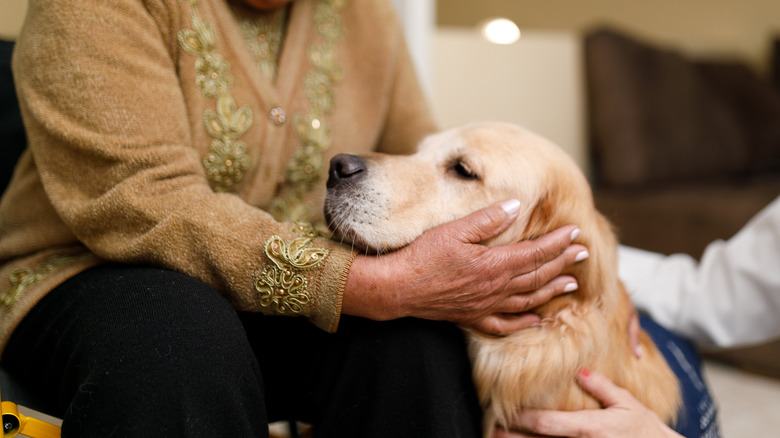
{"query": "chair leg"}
[(15, 423)]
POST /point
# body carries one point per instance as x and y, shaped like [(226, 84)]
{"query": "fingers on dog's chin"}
[(503, 324), (522, 321)]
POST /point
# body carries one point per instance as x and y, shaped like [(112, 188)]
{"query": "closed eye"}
[(463, 171)]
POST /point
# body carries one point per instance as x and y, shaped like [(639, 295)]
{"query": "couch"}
[(684, 151)]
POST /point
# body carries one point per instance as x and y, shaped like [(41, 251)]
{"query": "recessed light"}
[(501, 31)]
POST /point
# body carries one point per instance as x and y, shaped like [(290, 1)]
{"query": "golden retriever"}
[(381, 203)]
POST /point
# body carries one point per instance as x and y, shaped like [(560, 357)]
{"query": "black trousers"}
[(135, 351)]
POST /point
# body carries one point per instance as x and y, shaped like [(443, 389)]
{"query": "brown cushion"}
[(755, 106), (655, 118), (687, 217)]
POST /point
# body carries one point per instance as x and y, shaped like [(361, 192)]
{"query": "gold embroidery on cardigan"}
[(227, 159), (306, 166), (264, 36), (281, 286), (23, 278), (309, 230)]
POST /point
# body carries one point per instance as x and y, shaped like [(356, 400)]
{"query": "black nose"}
[(344, 167)]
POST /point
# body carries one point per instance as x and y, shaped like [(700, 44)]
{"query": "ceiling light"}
[(501, 31)]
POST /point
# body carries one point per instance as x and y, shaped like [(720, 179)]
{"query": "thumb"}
[(502, 324), (485, 223), (600, 387)]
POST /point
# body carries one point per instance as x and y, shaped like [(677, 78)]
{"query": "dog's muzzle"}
[(343, 207)]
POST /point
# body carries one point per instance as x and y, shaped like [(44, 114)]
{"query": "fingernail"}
[(582, 255), (571, 287), (575, 234), (511, 207), (638, 351), (585, 372)]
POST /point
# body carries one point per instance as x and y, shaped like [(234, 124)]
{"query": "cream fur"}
[(403, 196)]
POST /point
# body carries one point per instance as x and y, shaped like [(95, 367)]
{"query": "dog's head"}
[(383, 202), (380, 202)]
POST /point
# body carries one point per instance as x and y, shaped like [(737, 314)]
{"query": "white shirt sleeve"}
[(730, 298)]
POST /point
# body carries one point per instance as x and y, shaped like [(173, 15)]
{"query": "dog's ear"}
[(557, 205), (567, 199)]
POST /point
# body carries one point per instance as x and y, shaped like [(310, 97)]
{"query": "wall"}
[(742, 27), (418, 18), (536, 83)]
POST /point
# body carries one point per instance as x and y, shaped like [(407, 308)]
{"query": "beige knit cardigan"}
[(155, 139)]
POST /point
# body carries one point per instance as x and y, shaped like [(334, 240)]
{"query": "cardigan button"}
[(277, 115)]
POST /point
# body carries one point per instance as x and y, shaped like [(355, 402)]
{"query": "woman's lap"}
[(174, 349), (115, 352)]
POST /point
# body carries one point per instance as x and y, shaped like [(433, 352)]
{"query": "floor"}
[(749, 404)]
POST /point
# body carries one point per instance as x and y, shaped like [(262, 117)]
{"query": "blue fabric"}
[(699, 414)]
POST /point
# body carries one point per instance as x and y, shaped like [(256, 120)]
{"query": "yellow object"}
[(15, 423)]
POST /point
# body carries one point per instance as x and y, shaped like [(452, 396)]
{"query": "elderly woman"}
[(162, 270)]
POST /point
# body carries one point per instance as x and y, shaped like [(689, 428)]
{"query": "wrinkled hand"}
[(622, 416), (446, 274)]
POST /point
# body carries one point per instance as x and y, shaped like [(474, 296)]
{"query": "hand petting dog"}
[(494, 288), (622, 416)]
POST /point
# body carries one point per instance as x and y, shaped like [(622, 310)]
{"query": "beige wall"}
[(536, 83), (744, 27), (11, 17)]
